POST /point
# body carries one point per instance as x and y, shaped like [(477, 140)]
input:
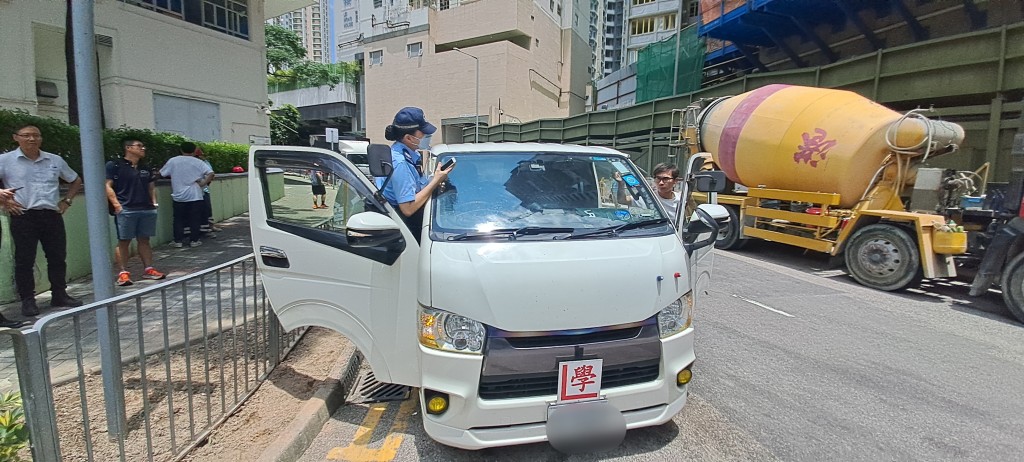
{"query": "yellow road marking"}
[(357, 450)]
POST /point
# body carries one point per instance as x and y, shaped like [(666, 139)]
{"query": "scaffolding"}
[(655, 69)]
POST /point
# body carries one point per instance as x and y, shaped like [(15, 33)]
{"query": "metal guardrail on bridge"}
[(188, 353)]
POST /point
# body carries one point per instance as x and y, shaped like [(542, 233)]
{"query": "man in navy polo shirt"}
[(132, 198)]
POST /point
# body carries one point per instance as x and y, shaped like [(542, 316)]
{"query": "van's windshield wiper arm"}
[(613, 230), (512, 233)]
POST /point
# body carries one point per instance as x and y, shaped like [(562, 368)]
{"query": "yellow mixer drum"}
[(810, 139)]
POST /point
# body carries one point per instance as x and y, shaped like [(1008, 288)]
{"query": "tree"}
[(286, 62), (284, 125)]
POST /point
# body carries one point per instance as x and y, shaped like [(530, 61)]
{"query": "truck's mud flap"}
[(996, 255), (589, 426)]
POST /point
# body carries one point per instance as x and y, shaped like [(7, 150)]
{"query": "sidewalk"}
[(231, 243)]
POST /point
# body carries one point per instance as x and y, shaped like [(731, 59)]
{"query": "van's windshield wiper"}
[(512, 233), (613, 230)]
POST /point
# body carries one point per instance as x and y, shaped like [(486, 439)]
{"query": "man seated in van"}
[(665, 178)]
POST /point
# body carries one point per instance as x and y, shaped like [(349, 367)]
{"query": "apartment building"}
[(533, 55), (612, 48), (195, 67), (312, 25), (650, 21)]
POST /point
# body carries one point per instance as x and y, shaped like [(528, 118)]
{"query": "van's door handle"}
[(274, 257)]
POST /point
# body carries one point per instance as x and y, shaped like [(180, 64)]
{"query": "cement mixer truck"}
[(833, 172)]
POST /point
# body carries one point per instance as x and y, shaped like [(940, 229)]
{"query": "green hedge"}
[(63, 139)]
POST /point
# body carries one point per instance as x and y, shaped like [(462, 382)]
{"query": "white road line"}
[(762, 305)]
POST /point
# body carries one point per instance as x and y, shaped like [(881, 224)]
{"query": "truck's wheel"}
[(1012, 284), (729, 237), (883, 257)]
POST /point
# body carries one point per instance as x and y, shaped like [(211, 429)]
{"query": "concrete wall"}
[(229, 193), (150, 54)]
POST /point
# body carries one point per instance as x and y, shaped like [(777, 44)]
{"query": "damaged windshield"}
[(536, 195)]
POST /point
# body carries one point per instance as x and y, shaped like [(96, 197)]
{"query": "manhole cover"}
[(370, 390)]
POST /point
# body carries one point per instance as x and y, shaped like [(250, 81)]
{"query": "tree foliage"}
[(286, 62), (284, 125)]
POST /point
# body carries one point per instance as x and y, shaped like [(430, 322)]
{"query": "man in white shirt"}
[(189, 176), (665, 178), (36, 215)]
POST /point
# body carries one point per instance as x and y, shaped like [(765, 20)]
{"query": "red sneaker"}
[(153, 274), (124, 278)]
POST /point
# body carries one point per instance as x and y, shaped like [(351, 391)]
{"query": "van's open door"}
[(349, 266)]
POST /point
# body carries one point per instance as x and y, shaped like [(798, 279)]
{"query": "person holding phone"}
[(409, 190)]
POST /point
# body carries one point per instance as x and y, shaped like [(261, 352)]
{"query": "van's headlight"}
[(676, 317), (450, 332)]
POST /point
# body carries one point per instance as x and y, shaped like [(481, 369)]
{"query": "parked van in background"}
[(537, 305)]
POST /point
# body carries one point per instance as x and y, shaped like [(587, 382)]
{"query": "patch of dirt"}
[(247, 433), (172, 413)]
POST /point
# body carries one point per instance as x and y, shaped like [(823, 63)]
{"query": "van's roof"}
[(522, 147)]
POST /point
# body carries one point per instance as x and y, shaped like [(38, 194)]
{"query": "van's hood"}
[(543, 286)]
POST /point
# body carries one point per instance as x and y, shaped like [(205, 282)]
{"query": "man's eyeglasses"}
[(662, 179), (31, 136)]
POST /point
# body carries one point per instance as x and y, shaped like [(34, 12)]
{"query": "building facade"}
[(533, 56), (165, 66)]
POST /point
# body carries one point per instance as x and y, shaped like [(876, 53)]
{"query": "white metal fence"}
[(149, 374)]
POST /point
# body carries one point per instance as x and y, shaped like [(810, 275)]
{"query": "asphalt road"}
[(795, 362)]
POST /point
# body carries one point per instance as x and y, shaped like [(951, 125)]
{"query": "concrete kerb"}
[(300, 433)]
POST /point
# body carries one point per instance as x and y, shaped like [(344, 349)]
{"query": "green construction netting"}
[(654, 63)]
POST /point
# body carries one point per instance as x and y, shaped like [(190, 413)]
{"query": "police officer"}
[(408, 189)]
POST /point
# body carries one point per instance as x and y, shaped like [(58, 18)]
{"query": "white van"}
[(535, 306)]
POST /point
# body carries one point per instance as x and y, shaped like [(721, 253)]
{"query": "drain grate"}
[(370, 390)]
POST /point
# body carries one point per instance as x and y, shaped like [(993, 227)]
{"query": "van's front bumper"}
[(474, 423)]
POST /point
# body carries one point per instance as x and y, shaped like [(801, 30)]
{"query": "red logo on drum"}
[(814, 149)]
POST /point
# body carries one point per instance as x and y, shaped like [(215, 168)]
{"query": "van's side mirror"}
[(379, 158), (709, 181)]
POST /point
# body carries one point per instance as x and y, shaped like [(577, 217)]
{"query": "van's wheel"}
[(1012, 284), (729, 237), (883, 257)]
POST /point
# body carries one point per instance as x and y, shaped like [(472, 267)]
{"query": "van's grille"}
[(559, 340), (547, 383)]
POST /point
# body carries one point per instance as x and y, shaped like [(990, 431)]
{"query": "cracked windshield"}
[(490, 193)]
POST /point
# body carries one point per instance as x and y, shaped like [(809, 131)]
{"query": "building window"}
[(641, 26), (575, 20), (443, 5), (414, 49), (668, 22), (229, 16), (551, 5), (378, 3), (347, 20), (642, 2), (376, 57), (174, 7), (559, 9), (693, 8)]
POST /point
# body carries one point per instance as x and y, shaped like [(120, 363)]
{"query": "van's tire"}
[(729, 238), (1012, 284), (883, 257)]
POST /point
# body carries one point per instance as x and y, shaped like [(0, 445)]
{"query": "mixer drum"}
[(809, 139)]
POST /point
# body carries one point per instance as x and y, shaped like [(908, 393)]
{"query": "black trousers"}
[(36, 227), (190, 215)]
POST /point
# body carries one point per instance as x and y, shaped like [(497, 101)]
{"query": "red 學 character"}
[(583, 376), (814, 149)]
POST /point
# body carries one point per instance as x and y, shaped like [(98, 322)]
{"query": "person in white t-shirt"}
[(189, 176), (665, 178)]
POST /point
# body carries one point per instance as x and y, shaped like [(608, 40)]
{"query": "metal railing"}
[(178, 359)]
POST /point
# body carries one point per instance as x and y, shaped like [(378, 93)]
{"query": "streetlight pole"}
[(476, 110)]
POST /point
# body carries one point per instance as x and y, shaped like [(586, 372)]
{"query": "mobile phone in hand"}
[(448, 164)]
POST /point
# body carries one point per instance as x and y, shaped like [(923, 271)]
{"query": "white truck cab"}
[(538, 304)]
